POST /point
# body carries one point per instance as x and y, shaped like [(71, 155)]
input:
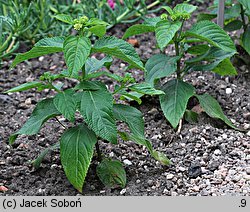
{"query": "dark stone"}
[(213, 165), (194, 170)]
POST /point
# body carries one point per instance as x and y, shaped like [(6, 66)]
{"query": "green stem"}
[(119, 18), (6, 42), (83, 73)]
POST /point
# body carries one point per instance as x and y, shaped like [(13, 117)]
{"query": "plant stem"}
[(60, 122), (98, 151), (119, 18), (243, 18)]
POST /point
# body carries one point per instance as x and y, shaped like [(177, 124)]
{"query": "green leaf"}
[(142, 141), (37, 162), (138, 29), (225, 68), (131, 96), (90, 86), (184, 8), (213, 57), (25, 86), (165, 32), (151, 21), (205, 16), (97, 110), (174, 102), (98, 30), (105, 73), (43, 111), (246, 40), (145, 88), (198, 49), (111, 173), (159, 66), (51, 42), (93, 64), (168, 9), (76, 51), (191, 116), (131, 116), (213, 34), (96, 21), (76, 151), (233, 25), (246, 4), (120, 49), (66, 104), (42, 47), (213, 109), (65, 18)]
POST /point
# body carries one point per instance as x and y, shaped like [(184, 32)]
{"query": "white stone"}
[(248, 133), (182, 169), (123, 191), (224, 136), (217, 152), (127, 162), (169, 176), (229, 90)]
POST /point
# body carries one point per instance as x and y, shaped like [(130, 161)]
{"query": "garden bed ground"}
[(207, 158)]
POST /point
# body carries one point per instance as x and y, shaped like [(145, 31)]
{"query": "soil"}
[(208, 158)]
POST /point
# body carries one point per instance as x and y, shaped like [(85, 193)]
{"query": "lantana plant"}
[(90, 97), (204, 47)]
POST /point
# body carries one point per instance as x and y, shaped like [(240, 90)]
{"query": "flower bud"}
[(164, 16), (84, 20), (77, 26)]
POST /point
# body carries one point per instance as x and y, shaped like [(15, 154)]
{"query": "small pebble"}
[(127, 162), (229, 90), (123, 191), (169, 176), (217, 152)]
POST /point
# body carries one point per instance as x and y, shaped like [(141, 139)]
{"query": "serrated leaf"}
[(184, 8), (98, 30), (105, 73), (76, 51), (142, 141), (246, 4), (65, 18), (225, 67), (131, 96), (246, 40), (159, 66), (42, 47), (174, 102), (233, 25), (165, 32), (213, 34), (93, 64), (213, 109), (76, 151), (25, 86), (131, 116), (43, 111), (205, 16), (213, 57), (111, 173), (152, 21), (145, 88), (66, 104), (96, 21), (120, 49), (97, 110), (198, 49), (90, 86), (138, 29)]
